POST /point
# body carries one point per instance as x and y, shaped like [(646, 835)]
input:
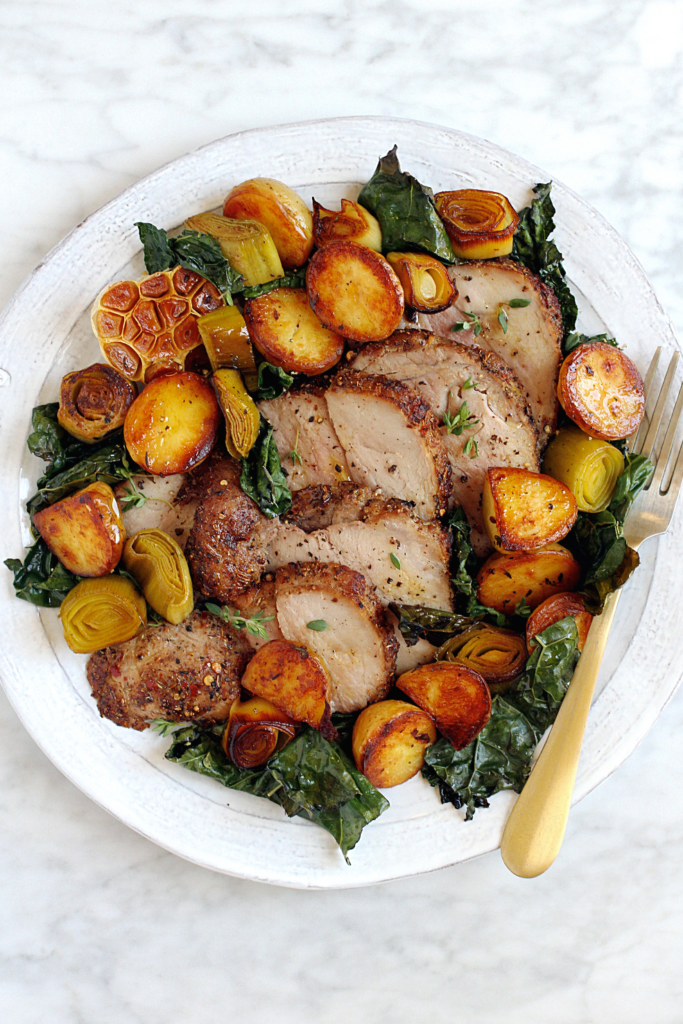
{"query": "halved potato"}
[(552, 610), (292, 679), (172, 425), (389, 742), (278, 208), (354, 291), (457, 698), (507, 577), (352, 224), (601, 390), (285, 330), (524, 511), (85, 531)]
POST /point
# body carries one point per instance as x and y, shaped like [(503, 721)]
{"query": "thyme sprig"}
[(254, 625)]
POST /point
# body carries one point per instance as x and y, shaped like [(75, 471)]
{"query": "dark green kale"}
[(573, 341), (295, 279), (532, 247), (464, 565), (310, 777), (418, 623), (41, 579), (192, 250), (405, 210), (273, 381), (500, 757), (262, 477), (109, 462)]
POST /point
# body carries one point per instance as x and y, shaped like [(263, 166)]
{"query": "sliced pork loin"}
[(531, 345), (446, 374), (259, 601), (166, 506), (301, 424), (391, 439), (185, 673), (357, 645)]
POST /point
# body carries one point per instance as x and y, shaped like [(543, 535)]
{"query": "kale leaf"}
[(405, 210), (310, 777), (41, 579), (262, 478), (418, 623), (500, 756), (573, 341), (192, 250), (109, 462), (464, 568), (273, 381), (295, 279), (532, 247)]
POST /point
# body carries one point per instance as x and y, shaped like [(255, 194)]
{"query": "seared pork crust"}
[(322, 505), (185, 673), (259, 600), (358, 646), (221, 551), (418, 417)]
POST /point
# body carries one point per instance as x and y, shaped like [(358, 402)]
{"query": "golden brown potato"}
[(85, 531), (425, 282), (293, 680), (354, 291), (93, 402), (524, 511), (457, 698), (278, 208), (389, 742), (352, 224), (172, 425), (285, 330), (505, 578), (552, 610), (601, 390)]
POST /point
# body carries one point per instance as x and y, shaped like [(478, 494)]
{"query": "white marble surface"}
[(99, 925)]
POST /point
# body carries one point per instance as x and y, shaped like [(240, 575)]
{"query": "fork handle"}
[(535, 829)]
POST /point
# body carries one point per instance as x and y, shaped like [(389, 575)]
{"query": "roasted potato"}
[(524, 511), (278, 208), (172, 425), (505, 578), (425, 282), (601, 390), (293, 680), (353, 224), (354, 291), (552, 610), (85, 531), (285, 330), (389, 742), (457, 698)]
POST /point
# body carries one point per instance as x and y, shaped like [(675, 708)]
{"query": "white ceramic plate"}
[(45, 332)]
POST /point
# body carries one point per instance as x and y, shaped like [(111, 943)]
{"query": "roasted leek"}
[(101, 612), (480, 224), (159, 567), (227, 343), (93, 402), (352, 224), (425, 282), (498, 655), (242, 418), (246, 244), (588, 467), (256, 729)]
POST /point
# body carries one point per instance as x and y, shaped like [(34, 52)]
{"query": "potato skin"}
[(524, 511), (173, 423), (278, 208), (551, 611), (85, 531), (456, 697), (292, 679), (601, 390), (389, 742), (285, 330), (342, 274), (507, 577)]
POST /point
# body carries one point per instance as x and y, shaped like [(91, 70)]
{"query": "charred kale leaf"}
[(41, 579), (295, 279), (192, 250), (310, 777), (262, 477), (532, 247), (109, 462), (573, 341), (273, 381), (418, 623), (405, 210), (500, 757)]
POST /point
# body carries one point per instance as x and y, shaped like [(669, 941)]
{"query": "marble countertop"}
[(99, 925)]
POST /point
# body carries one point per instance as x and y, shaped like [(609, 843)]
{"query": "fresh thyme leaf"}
[(455, 423), (395, 560), (503, 320), (294, 454), (318, 625), (469, 383), (254, 625), (464, 325), (471, 448), (134, 497), (518, 303)]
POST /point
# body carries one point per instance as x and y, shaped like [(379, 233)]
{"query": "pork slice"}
[(185, 673), (391, 439), (162, 509), (531, 345), (259, 600), (388, 526), (446, 374), (314, 508), (301, 424), (357, 645)]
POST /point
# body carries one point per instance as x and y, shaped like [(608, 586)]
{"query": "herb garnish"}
[(471, 448), (254, 625), (469, 383), (464, 325), (294, 454), (461, 420), (318, 625), (395, 560)]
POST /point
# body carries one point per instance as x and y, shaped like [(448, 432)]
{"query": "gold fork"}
[(535, 829)]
